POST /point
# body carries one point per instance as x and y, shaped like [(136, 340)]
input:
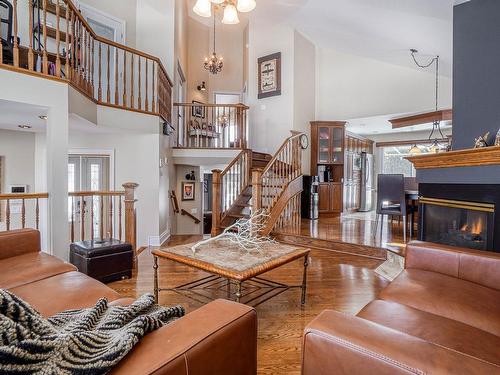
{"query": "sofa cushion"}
[(435, 329), (30, 267), (447, 296), (66, 291)]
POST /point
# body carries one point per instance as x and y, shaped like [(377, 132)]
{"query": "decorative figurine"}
[(482, 141), (497, 139)]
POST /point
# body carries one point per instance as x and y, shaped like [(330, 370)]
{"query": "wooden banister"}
[(192, 217), (78, 66), (23, 198)]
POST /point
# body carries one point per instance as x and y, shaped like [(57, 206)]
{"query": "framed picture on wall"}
[(198, 110), (188, 191), (270, 75)]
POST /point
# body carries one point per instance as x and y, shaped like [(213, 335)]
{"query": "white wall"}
[(350, 86), (18, 150), (136, 160), (304, 90), (271, 119)]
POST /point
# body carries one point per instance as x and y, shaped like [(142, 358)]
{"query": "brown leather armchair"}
[(218, 338), (440, 316)]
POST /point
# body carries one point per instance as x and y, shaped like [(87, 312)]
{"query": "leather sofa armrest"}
[(18, 242), (218, 338), (335, 343), (479, 267)]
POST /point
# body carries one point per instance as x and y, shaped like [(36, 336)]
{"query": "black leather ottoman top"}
[(96, 248)]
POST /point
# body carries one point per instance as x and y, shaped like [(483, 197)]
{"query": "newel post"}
[(130, 214), (216, 201), (256, 190)]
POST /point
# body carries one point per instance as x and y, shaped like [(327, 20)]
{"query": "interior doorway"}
[(228, 98), (88, 173)]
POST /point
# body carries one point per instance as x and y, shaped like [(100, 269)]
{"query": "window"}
[(394, 162)]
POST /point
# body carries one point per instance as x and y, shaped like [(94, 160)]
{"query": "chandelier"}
[(214, 63), (231, 8)]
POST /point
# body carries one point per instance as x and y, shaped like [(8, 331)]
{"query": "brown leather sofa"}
[(441, 315), (219, 338)]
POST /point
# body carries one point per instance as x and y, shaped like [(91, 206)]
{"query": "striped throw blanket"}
[(88, 341)]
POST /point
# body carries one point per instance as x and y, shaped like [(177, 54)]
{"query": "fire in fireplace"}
[(458, 223)]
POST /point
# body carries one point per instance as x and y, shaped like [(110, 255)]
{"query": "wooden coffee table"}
[(233, 270)]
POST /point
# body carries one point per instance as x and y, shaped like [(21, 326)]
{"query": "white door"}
[(88, 173)]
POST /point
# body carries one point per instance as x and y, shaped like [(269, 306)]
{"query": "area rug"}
[(89, 341), (392, 267)]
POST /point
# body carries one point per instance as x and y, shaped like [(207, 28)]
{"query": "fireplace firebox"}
[(461, 215)]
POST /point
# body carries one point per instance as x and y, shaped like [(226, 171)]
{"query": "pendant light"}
[(436, 125), (245, 6), (230, 15), (203, 8)]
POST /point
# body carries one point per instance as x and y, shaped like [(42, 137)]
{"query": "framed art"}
[(188, 191), (198, 110), (269, 75)]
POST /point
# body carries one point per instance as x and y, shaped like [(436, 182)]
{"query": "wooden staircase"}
[(255, 181)]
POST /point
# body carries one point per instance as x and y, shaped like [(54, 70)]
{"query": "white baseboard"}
[(158, 240)]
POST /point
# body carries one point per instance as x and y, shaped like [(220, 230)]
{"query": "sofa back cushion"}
[(19, 242), (479, 267)]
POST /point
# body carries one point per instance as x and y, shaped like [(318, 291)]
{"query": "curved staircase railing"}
[(56, 41), (277, 187), (229, 186)]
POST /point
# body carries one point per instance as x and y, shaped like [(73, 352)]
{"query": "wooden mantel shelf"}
[(460, 158)]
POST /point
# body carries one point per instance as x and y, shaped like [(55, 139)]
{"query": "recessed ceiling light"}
[(43, 117), (24, 126)]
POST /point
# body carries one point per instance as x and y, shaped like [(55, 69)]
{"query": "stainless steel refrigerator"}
[(367, 188)]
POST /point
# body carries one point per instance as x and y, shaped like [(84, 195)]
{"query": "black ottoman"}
[(105, 260)]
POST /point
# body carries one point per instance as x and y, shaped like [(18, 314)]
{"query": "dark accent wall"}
[(476, 71)]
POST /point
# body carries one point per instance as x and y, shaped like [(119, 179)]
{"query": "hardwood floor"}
[(335, 281), (356, 228)]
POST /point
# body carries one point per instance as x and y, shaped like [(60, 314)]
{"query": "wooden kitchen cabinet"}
[(330, 198)]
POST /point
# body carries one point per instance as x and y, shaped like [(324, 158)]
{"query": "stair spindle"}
[(116, 77), (139, 99), (99, 68), (23, 213), (37, 214), (119, 218), (72, 219), (146, 102), (101, 217), (108, 62), (67, 68), (58, 41), (15, 31), (82, 218), (132, 82), (31, 56), (124, 78), (7, 215), (45, 59), (110, 216)]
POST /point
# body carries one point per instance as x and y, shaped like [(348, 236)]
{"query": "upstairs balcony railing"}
[(211, 125), (51, 38)]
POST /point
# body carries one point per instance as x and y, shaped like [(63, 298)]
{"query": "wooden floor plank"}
[(335, 281)]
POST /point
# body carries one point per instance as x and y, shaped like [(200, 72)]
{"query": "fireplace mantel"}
[(460, 158)]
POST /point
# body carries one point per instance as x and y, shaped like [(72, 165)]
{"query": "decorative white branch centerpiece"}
[(245, 233)]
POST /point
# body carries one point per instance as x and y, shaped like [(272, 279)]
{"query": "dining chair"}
[(411, 184), (391, 199)]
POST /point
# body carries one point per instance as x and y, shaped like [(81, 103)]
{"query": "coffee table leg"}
[(304, 280), (238, 291), (155, 273)]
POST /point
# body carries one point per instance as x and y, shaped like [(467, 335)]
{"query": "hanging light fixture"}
[(436, 146), (214, 63), (231, 9), (203, 8), (245, 6), (230, 15)]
